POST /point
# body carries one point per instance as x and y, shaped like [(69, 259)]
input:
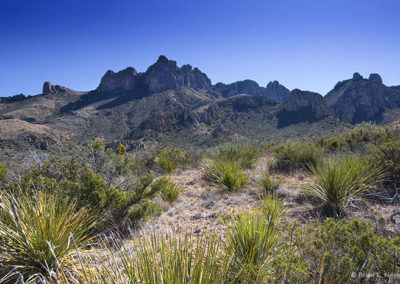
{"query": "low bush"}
[(337, 182), (244, 154), (296, 156), (340, 252), (108, 184), (388, 156), (168, 160), (225, 174), (169, 190)]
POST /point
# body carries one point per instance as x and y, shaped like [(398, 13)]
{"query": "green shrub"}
[(169, 190), (121, 149), (40, 235), (296, 156), (388, 156), (358, 140), (266, 183), (244, 154), (105, 183), (3, 171), (168, 160), (226, 175), (337, 182), (342, 252)]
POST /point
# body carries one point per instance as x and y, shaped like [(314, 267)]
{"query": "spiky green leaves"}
[(337, 182)]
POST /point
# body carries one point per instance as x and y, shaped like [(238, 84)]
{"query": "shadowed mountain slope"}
[(180, 106)]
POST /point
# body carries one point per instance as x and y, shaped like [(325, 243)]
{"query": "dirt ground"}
[(201, 206)]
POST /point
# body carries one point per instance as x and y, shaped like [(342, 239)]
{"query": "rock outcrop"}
[(274, 91), (125, 80), (302, 106), (48, 88), (360, 99), (165, 75), (248, 87), (161, 76), (277, 92)]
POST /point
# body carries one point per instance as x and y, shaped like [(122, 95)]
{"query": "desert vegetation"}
[(298, 212)]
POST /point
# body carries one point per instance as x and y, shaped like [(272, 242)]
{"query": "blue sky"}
[(305, 44)]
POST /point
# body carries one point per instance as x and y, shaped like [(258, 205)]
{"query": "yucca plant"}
[(271, 208), (168, 189), (252, 243), (266, 183), (337, 182), (225, 174), (40, 236)]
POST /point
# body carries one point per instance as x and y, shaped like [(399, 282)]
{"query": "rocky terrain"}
[(175, 105), (360, 99)]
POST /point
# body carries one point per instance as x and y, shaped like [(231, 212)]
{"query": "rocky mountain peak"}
[(302, 106), (357, 76), (165, 75), (124, 79), (299, 100), (374, 77), (277, 92), (359, 99), (162, 59), (48, 88)]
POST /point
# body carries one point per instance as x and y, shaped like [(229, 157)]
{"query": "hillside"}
[(179, 106)]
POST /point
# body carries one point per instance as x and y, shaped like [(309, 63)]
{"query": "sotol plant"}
[(226, 174), (266, 183), (337, 182), (169, 190), (252, 242), (40, 236)]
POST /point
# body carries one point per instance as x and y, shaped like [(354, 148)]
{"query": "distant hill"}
[(180, 106)]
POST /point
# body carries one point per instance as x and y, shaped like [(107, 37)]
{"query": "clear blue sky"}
[(306, 44)]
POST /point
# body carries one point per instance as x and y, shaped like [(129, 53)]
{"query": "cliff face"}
[(360, 99), (161, 76), (274, 91), (125, 80), (165, 75), (303, 106), (277, 92)]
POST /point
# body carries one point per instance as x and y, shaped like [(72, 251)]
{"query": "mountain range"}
[(173, 105)]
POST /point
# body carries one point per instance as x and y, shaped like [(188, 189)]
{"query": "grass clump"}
[(169, 190), (157, 259), (337, 182), (225, 174), (296, 156), (266, 183), (40, 236)]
